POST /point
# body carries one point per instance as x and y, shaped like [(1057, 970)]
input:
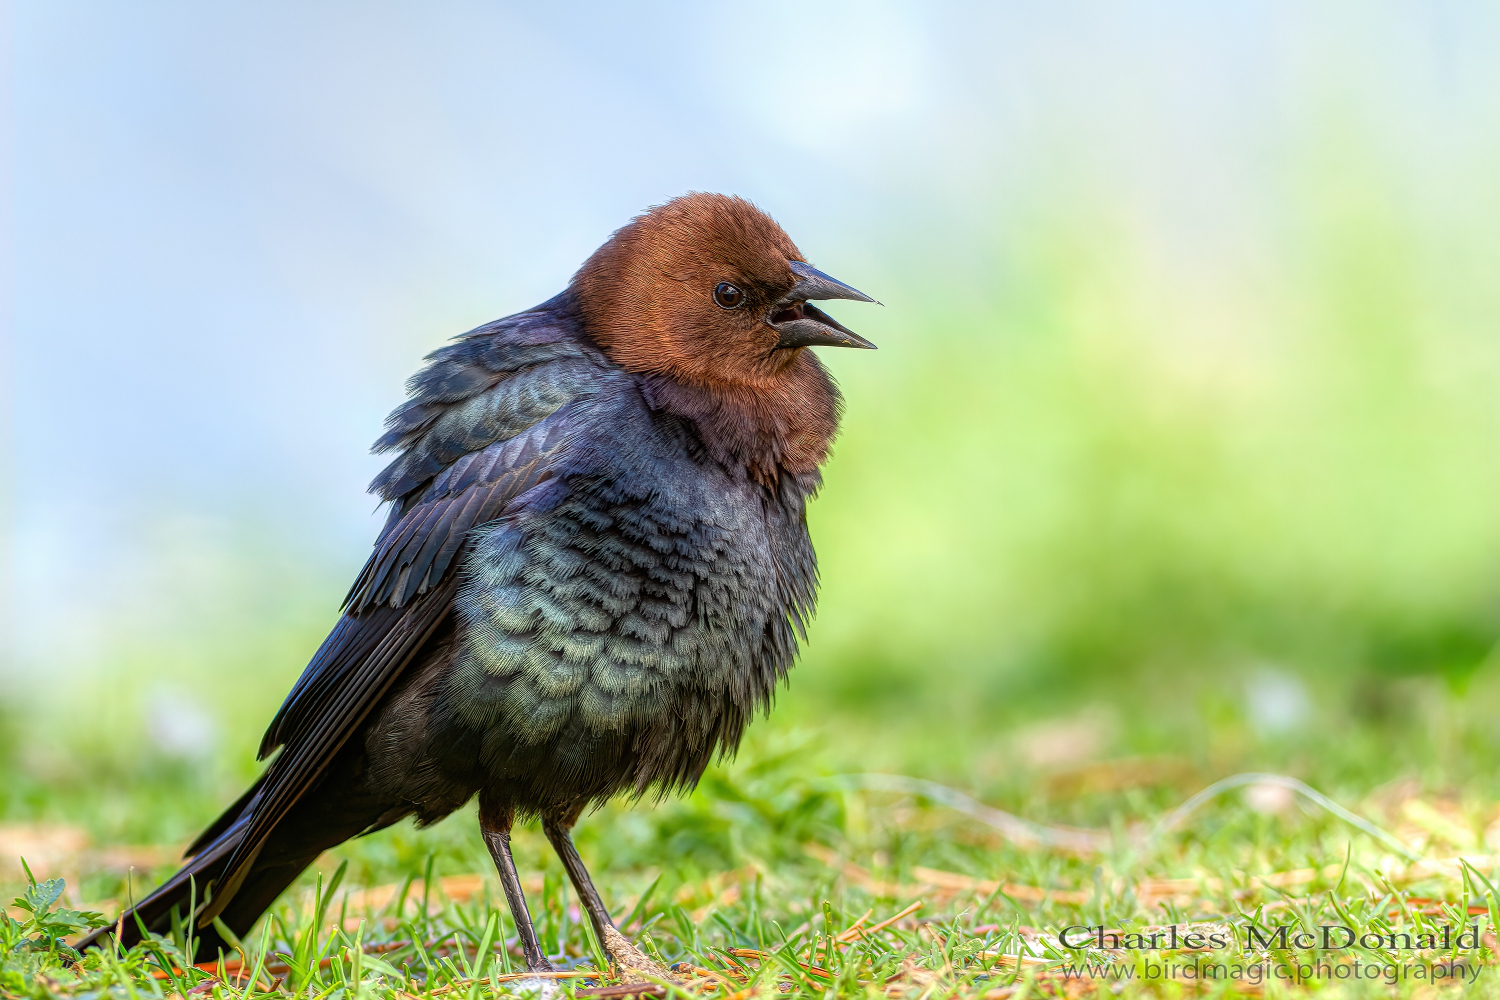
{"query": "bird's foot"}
[(634, 965)]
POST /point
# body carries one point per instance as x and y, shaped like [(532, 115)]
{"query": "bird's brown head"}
[(710, 300), (708, 289)]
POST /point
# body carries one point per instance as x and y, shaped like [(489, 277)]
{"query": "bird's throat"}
[(762, 432)]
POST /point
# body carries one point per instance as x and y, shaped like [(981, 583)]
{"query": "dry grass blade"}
[(1028, 893), (888, 921), (759, 956), (855, 929), (1022, 832), (1174, 818), (623, 990), (512, 977)]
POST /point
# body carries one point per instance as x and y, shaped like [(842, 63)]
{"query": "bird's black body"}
[(577, 599), (593, 575)]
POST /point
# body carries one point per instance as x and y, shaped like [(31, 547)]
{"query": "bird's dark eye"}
[(728, 296)]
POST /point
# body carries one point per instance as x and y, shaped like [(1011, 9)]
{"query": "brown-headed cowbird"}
[(595, 570)]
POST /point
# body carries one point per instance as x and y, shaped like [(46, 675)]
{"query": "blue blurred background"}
[(1184, 434)]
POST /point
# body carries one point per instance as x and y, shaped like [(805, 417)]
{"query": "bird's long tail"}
[(293, 845)]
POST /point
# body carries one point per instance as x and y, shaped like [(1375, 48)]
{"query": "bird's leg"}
[(632, 961), (495, 823)]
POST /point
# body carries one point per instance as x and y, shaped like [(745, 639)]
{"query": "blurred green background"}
[(1182, 444)]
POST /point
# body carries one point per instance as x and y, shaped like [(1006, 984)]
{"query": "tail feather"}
[(184, 892), (315, 825)]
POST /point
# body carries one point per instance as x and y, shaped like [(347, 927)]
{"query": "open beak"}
[(804, 325)]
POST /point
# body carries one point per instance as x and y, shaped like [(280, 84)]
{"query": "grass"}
[(791, 873)]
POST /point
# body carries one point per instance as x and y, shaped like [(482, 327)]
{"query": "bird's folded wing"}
[(363, 656), (489, 422)]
